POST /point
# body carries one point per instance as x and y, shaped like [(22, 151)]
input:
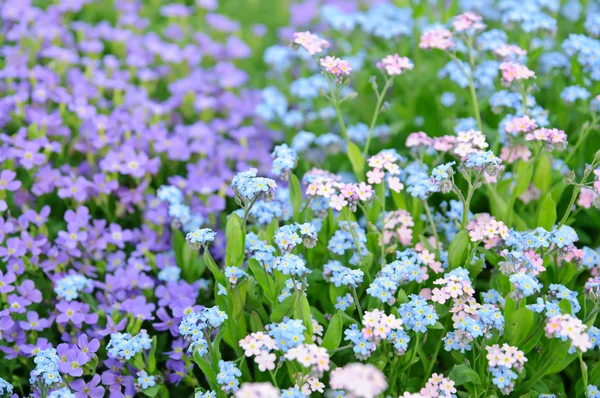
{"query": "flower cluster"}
[(505, 363)]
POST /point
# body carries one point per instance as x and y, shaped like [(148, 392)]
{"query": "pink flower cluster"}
[(588, 198), (257, 390), (452, 286), (469, 141), (398, 224), (439, 38), (311, 42), (260, 345), (310, 356), (395, 64), (438, 386), (417, 139), (338, 193), (554, 138), (486, 228), (378, 325), (382, 163), (513, 153), (358, 380), (506, 356), (428, 258), (520, 124), (468, 21), (336, 66), (512, 71), (566, 325), (509, 50)]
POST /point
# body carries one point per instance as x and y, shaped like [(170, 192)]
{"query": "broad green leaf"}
[(263, 278), (295, 195), (458, 251), (214, 268), (565, 307), (547, 213), (356, 159), (256, 324), (235, 238), (152, 391), (238, 296), (524, 175), (207, 370), (543, 173), (519, 326), (333, 335), (152, 357), (463, 374), (285, 308)]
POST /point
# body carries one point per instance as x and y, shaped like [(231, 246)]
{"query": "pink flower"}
[(375, 176), (437, 38), (265, 361), (395, 184), (468, 21), (336, 66), (311, 42), (337, 202), (395, 65), (418, 138), (512, 71), (509, 50), (523, 124)]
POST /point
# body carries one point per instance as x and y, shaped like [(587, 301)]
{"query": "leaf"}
[(236, 238), (463, 374), (519, 326), (547, 213), (238, 296), (285, 308), (152, 357), (543, 173), (207, 370), (524, 175), (333, 336), (295, 195), (306, 318), (212, 266), (565, 307), (356, 159), (263, 278), (152, 391), (256, 324), (458, 251)]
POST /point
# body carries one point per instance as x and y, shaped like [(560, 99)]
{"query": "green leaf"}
[(305, 315), (263, 278), (458, 251), (152, 357), (356, 159), (295, 195), (212, 266), (565, 307), (238, 296), (256, 324), (152, 391), (543, 173), (333, 336), (524, 176), (547, 213), (285, 308), (236, 238), (463, 374), (519, 326), (207, 370)]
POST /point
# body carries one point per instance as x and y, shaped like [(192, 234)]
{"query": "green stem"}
[(584, 374), (576, 190), (467, 205), (581, 139), (380, 97), (433, 227), (357, 301)]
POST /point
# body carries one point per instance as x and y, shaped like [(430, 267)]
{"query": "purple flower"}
[(91, 389), (34, 322), (167, 323), (87, 347), (14, 249), (16, 304), (8, 182), (29, 292), (5, 282), (73, 363), (70, 311)]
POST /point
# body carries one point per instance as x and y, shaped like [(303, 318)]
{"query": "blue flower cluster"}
[(309, 87), (285, 160), (486, 160), (144, 380), (347, 237), (384, 20), (555, 295), (573, 93), (526, 284), (292, 392), (61, 393), (180, 213), (291, 264), (247, 186), (233, 274), (70, 286), (260, 251), (46, 368), (586, 49), (170, 273), (407, 268), (340, 275), (287, 237), (200, 237), (485, 318), (288, 333), (360, 344), (5, 388), (123, 346), (195, 325), (417, 181), (342, 303), (417, 314), (227, 376)]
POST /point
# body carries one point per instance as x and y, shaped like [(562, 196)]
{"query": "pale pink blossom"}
[(311, 42), (437, 38), (395, 65)]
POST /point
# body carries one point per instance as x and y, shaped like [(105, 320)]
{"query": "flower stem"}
[(380, 97)]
